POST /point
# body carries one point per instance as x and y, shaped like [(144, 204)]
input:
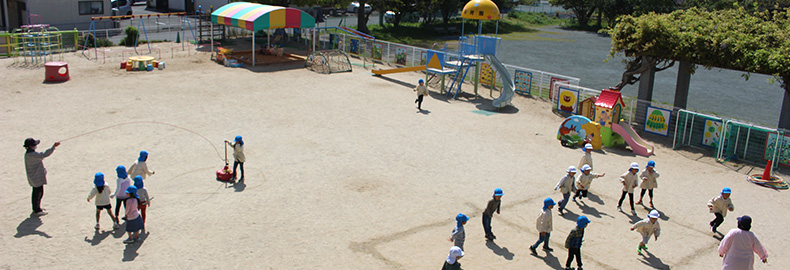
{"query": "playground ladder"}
[(458, 78)]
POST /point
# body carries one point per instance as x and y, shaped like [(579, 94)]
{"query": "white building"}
[(190, 6), (63, 14)]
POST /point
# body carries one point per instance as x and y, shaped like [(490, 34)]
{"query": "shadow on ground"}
[(501, 251), (29, 226)]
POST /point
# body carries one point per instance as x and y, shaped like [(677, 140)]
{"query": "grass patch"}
[(574, 25), (421, 34)]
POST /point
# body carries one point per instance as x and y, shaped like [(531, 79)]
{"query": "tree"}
[(450, 8), (733, 39), (582, 9)]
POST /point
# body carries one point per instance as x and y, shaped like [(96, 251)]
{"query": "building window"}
[(91, 7)]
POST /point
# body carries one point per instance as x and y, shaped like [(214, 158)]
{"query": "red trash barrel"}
[(56, 72)]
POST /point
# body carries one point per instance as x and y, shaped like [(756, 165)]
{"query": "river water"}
[(581, 54)]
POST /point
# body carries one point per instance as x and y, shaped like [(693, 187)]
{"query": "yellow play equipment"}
[(433, 63)]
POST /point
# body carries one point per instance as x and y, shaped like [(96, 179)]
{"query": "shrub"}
[(132, 34), (103, 42)]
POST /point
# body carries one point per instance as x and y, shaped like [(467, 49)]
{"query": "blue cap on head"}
[(132, 190), (651, 164), (582, 221), (726, 191), (98, 179), (461, 218), (143, 156), (121, 170), (547, 202), (138, 181), (421, 81), (498, 192), (238, 139)]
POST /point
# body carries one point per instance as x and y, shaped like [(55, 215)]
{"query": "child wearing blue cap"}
[(142, 194), (488, 213), (544, 225), (718, 206), (648, 176), (459, 234), (122, 183), (566, 186), (574, 243), (140, 167), (421, 92), (102, 193), (238, 156), (134, 223)]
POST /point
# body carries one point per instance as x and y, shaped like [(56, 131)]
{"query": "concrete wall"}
[(65, 14)]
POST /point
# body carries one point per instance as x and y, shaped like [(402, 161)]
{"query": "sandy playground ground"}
[(342, 171)]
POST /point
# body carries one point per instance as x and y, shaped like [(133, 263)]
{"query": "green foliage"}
[(532, 18), (132, 35), (103, 42), (732, 39), (749, 5), (582, 9)]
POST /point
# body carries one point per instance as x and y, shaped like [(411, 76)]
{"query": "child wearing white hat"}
[(587, 157), (629, 181), (565, 186), (451, 263), (646, 228), (584, 181), (649, 182)]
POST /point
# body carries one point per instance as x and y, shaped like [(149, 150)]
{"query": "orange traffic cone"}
[(767, 172)]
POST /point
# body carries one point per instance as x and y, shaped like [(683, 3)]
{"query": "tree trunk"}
[(784, 116), (362, 18)]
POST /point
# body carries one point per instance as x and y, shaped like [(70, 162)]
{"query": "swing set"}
[(140, 25)]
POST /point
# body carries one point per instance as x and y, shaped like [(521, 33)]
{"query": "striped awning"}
[(258, 17)]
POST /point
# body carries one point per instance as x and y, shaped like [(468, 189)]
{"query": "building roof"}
[(608, 98), (258, 17)]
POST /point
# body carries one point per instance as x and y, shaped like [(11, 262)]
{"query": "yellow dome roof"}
[(481, 10)]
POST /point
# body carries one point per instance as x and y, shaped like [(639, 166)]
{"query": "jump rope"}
[(151, 122)]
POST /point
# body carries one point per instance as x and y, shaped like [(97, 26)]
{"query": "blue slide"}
[(508, 87)]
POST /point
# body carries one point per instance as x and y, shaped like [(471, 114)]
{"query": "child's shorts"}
[(645, 239), (100, 207)]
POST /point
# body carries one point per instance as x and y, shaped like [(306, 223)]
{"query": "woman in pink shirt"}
[(738, 247), (134, 222)]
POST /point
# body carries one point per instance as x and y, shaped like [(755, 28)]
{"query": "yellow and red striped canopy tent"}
[(255, 17)]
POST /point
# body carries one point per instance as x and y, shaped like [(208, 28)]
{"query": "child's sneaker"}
[(639, 250), (639, 202), (533, 251), (548, 249), (128, 240), (97, 226), (619, 209), (115, 225)]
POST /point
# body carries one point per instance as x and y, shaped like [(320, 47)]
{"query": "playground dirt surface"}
[(342, 172)]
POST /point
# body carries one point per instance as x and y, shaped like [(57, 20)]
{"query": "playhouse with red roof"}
[(608, 107)]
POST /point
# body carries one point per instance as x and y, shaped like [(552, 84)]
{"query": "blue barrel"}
[(150, 67)]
